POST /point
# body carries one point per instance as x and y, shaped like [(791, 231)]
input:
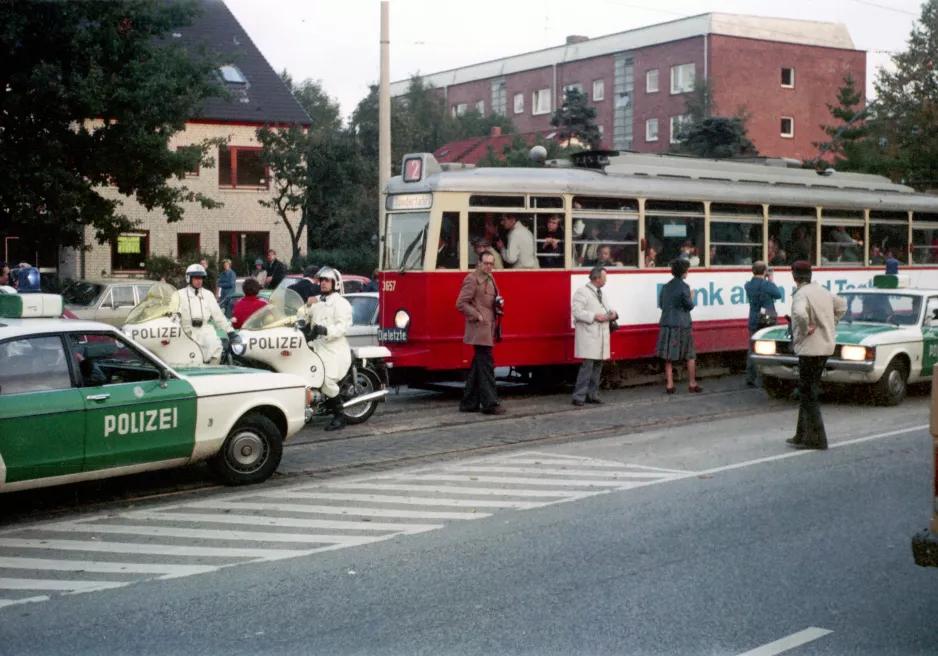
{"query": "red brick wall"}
[(747, 72), (585, 72), (662, 105)]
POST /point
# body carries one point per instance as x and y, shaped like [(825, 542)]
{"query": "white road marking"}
[(789, 642), (409, 501), (335, 510), (25, 600), (43, 564), (209, 534), (453, 489), (145, 548), (558, 472), (61, 586), (516, 480), (291, 522)]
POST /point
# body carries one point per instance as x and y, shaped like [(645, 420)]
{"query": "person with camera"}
[(594, 323), (762, 294), (483, 308), (197, 306)]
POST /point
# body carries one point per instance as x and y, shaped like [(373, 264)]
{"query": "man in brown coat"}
[(478, 300)]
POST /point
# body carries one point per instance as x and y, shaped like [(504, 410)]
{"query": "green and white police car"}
[(79, 401), (887, 339)]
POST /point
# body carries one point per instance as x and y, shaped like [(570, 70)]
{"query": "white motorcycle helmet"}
[(195, 271), (328, 273)]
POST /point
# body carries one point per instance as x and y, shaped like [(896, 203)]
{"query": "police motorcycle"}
[(275, 337), (155, 323)]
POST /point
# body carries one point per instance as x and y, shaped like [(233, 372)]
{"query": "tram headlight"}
[(855, 353), (401, 319), (764, 347)]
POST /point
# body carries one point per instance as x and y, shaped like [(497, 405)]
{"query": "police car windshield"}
[(161, 301), (82, 293), (891, 309)]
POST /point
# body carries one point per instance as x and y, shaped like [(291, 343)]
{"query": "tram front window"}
[(406, 241)]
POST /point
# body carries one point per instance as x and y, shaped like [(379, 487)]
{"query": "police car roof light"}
[(31, 306), (891, 281)]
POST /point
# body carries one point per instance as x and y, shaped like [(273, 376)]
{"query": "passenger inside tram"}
[(548, 234)]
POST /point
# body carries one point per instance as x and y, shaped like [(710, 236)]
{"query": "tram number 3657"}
[(389, 285)]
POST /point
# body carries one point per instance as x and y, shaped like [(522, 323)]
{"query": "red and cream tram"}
[(632, 213)]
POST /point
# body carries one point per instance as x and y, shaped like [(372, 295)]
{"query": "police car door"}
[(42, 428), (930, 336), (130, 418)]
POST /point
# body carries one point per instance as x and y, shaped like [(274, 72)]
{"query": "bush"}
[(174, 271), (357, 261)]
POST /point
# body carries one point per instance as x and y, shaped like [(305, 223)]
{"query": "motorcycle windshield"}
[(161, 301), (283, 308)]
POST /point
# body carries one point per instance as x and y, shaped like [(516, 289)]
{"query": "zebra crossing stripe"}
[(409, 501), (144, 548), (335, 510), (167, 571), (59, 585), (558, 472), (208, 534), (455, 489), (286, 522), (517, 480)]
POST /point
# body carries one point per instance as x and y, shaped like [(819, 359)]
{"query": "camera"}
[(499, 306), (196, 323)]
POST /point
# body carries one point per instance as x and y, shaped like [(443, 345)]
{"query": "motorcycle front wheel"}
[(366, 383)]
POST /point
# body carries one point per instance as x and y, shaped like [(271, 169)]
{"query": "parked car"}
[(107, 301), (364, 330), (351, 284)]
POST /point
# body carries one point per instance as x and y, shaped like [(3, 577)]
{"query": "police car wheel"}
[(892, 387), (251, 452), (366, 384)]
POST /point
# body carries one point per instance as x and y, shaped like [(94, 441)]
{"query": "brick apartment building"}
[(783, 72)]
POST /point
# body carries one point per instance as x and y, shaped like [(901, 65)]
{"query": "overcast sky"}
[(336, 41)]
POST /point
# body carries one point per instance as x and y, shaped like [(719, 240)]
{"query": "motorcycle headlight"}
[(764, 347), (401, 319), (855, 353), (237, 346)]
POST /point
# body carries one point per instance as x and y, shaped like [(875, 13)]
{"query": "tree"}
[(714, 137), (907, 112), (848, 147), (114, 61), (518, 153), (574, 119), (323, 110)]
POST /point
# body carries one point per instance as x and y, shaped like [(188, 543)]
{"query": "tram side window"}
[(549, 237), (406, 240), (841, 236), (792, 231), (605, 232), (447, 252), (735, 234), (889, 236), (673, 229), (509, 236), (924, 239)]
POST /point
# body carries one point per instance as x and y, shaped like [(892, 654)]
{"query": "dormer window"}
[(233, 76)]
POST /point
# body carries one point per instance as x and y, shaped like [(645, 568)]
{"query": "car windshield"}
[(893, 309), (161, 301), (282, 309), (82, 293), (363, 309)]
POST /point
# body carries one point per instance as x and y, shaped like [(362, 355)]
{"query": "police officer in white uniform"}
[(330, 318), (197, 307)]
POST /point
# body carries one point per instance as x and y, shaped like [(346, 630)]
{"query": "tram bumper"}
[(925, 549)]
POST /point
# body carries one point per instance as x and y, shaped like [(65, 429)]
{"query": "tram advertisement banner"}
[(720, 295)]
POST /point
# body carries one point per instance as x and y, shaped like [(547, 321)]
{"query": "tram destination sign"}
[(392, 335)]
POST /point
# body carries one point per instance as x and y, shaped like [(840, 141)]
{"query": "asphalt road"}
[(702, 538)]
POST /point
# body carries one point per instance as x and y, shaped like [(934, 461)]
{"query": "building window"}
[(540, 102), (602, 132), (519, 103), (651, 129), (188, 243), (499, 97), (788, 78), (682, 78), (244, 245), (651, 81), (677, 125), (788, 127), (129, 252), (599, 90), (576, 86), (460, 109), (241, 168), (194, 173), (480, 106), (233, 77)]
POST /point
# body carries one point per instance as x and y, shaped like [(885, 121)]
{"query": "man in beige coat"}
[(591, 329), (479, 301), (814, 316)]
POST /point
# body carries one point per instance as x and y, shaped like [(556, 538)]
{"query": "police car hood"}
[(215, 370), (859, 333), (214, 380)]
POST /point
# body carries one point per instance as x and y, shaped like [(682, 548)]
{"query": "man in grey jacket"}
[(814, 316)]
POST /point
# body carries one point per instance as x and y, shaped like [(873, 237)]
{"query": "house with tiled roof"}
[(470, 151), (242, 228)]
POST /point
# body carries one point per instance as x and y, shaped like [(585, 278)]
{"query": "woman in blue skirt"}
[(675, 340)]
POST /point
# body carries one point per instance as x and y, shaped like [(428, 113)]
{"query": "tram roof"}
[(679, 178)]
